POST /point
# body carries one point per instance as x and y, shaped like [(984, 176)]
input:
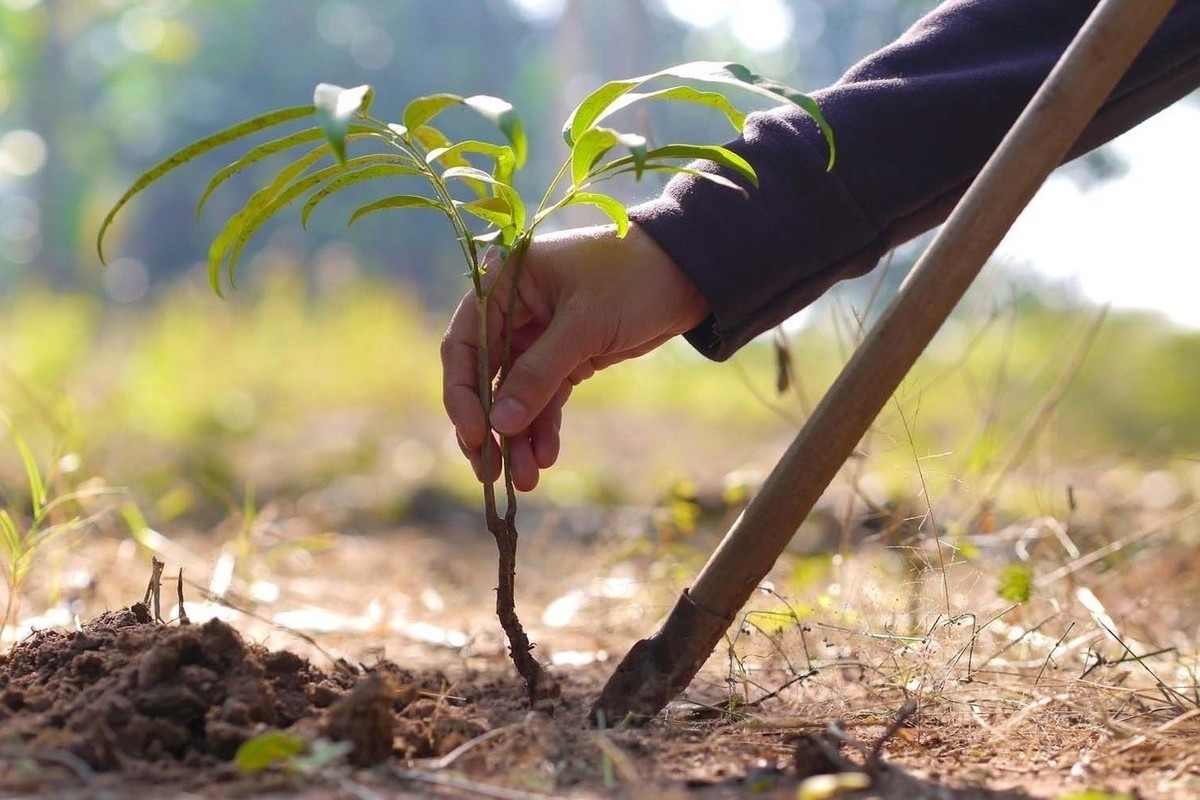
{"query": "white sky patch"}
[(1132, 241)]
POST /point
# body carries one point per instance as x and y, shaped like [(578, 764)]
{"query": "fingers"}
[(460, 378), (558, 358), (533, 446)]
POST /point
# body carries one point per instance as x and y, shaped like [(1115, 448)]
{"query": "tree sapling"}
[(470, 182)]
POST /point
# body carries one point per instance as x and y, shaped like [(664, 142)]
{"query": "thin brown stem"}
[(541, 687)]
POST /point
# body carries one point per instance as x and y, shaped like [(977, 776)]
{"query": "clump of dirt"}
[(125, 693)]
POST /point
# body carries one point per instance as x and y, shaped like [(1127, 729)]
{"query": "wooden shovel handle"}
[(1100, 54)]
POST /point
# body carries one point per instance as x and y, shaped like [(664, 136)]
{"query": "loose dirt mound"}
[(125, 693)]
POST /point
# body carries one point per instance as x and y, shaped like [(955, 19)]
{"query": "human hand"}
[(586, 300)]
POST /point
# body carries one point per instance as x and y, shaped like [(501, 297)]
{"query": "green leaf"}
[(707, 152), (259, 200), (193, 151), (433, 139), (595, 142), (685, 94), (422, 109), (496, 210), (336, 107), (502, 114), (711, 177), (289, 194), (597, 104), (501, 188), (268, 149), (614, 209), (386, 170), (494, 109), (268, 749), (589, 148), (503, 157), (396, 201), (253, 156)]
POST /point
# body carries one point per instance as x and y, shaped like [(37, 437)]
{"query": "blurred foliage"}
[(191, 399), (155, 384), (94, 91)]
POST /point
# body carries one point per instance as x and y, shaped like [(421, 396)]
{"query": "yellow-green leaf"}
[(598, 103), (610, 206), (267, 750), (399, 168), (396, 201), (193, 151)]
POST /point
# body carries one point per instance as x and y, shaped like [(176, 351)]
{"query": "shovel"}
[(657, 669)]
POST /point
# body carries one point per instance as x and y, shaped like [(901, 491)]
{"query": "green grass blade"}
[(396, 201), (11, 539), (336, 108), (193, 151), (386, 170), (37, 487), (610, 206)]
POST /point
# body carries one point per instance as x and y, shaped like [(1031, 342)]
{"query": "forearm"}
[(913, 124)]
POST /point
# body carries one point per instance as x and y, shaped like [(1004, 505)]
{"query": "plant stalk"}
[(540, 686)]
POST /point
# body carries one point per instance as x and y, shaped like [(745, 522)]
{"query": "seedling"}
[(24, 534), (470, 182)]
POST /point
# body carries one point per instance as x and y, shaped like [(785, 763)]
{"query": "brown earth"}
[(132, 705), (1090, 685)]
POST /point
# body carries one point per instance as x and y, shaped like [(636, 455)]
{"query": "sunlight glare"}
[(1130, 241), (539, 11), (761, 25), (698, 13)]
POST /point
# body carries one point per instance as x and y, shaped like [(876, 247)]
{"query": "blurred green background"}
[(318, 380)]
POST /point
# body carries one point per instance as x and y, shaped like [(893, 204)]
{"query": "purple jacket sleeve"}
[(913, 124)]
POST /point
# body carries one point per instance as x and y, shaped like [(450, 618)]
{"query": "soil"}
[(379, 660), (132, 704)]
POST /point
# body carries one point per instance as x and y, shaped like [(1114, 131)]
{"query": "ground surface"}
[(385, 641)]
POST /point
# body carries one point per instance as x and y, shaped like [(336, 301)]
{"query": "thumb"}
[(537, 374)]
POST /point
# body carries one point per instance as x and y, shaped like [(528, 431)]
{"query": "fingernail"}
[(508, 416)]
